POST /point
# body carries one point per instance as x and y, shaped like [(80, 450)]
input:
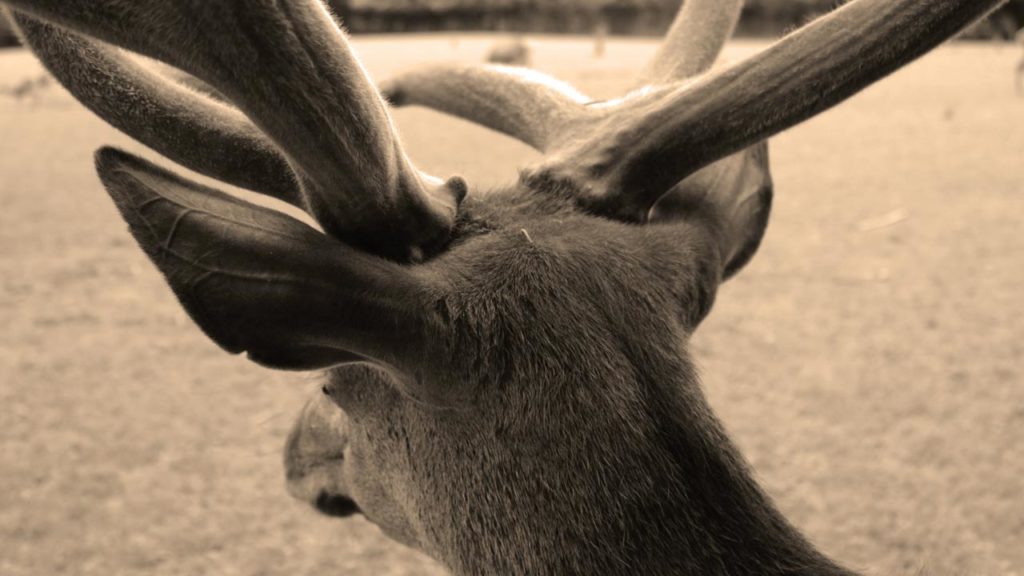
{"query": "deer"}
[(506, 380), (513, 51)]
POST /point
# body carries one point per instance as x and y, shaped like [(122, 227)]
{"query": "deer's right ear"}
[(738, 190), (258, 281)]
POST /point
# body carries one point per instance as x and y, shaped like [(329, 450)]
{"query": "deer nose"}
[(335, 505), (314, 457)]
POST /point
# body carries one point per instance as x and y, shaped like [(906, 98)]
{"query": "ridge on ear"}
[(258, 281), (739, 188)]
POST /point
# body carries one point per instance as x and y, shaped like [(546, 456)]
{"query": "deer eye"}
[(360, 390), (339, 393)]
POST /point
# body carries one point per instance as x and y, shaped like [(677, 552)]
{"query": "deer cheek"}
[(374, 476)]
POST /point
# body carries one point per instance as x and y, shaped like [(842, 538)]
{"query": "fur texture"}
[(319, 105), (570, 435), (521, 400), (162, 114), (525, 104), (556, 119), (625, 164)]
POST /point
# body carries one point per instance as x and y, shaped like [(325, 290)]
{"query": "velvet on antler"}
[(628, 162), (553, 117), (319, 106), (525, 104), (162, 113)]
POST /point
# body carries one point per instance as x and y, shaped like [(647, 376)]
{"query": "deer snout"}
[(314, 458)]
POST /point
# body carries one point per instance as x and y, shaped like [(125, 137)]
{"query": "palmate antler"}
[(318, 108)]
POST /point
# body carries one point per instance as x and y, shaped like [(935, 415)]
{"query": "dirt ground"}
[(868, 362)]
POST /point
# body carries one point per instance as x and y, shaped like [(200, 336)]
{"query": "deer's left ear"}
[(738, 190), (258, 281)]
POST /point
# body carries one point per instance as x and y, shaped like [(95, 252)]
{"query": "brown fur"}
[(574, 438), (162, 114), (521, 400), (318, 106)]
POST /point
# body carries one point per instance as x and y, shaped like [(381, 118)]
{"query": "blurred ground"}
[(868, 362)]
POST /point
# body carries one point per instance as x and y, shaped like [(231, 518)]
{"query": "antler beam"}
[(629, 163), (311, 96), (222, 142)]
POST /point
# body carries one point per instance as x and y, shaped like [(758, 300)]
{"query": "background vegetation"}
[(626, 17)]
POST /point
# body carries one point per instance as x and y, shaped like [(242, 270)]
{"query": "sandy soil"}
[(868, 362)]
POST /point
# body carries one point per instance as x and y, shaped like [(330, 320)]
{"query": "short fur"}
[(580, 442), (162, 114), (318, 105), (521, 400)]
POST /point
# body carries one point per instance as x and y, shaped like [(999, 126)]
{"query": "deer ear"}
[(739, 190), (258, 281)]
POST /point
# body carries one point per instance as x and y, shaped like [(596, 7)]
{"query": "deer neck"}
[(720, 521), (695, 509), (686, 503)]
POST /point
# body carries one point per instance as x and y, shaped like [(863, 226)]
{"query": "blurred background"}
[(868, 362), (624, 17)]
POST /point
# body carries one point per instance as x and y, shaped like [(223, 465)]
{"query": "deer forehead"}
[(542, 266), (523, 244), (546, 307)]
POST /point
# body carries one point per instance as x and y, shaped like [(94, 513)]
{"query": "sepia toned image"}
[(503, 287)]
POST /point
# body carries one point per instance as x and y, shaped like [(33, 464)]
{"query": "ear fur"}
[(258, 281), (740, 190)]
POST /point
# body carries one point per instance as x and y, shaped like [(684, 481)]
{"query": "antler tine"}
[(740, 185), (522, 103), (627, 165), (545, 112), (288, 66), (222, 142), (693, 43)]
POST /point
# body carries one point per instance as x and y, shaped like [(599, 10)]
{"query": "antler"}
[(529, 106), (642, 159), (628, 163), (694, 41), (308, 93), (546, 112), (222, 142), (551, 116), (740, 186)]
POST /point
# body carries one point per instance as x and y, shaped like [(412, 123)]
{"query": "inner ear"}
[(739, 190), (258, 281)]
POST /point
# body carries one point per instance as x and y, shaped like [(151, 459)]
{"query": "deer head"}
[(507, 386)]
